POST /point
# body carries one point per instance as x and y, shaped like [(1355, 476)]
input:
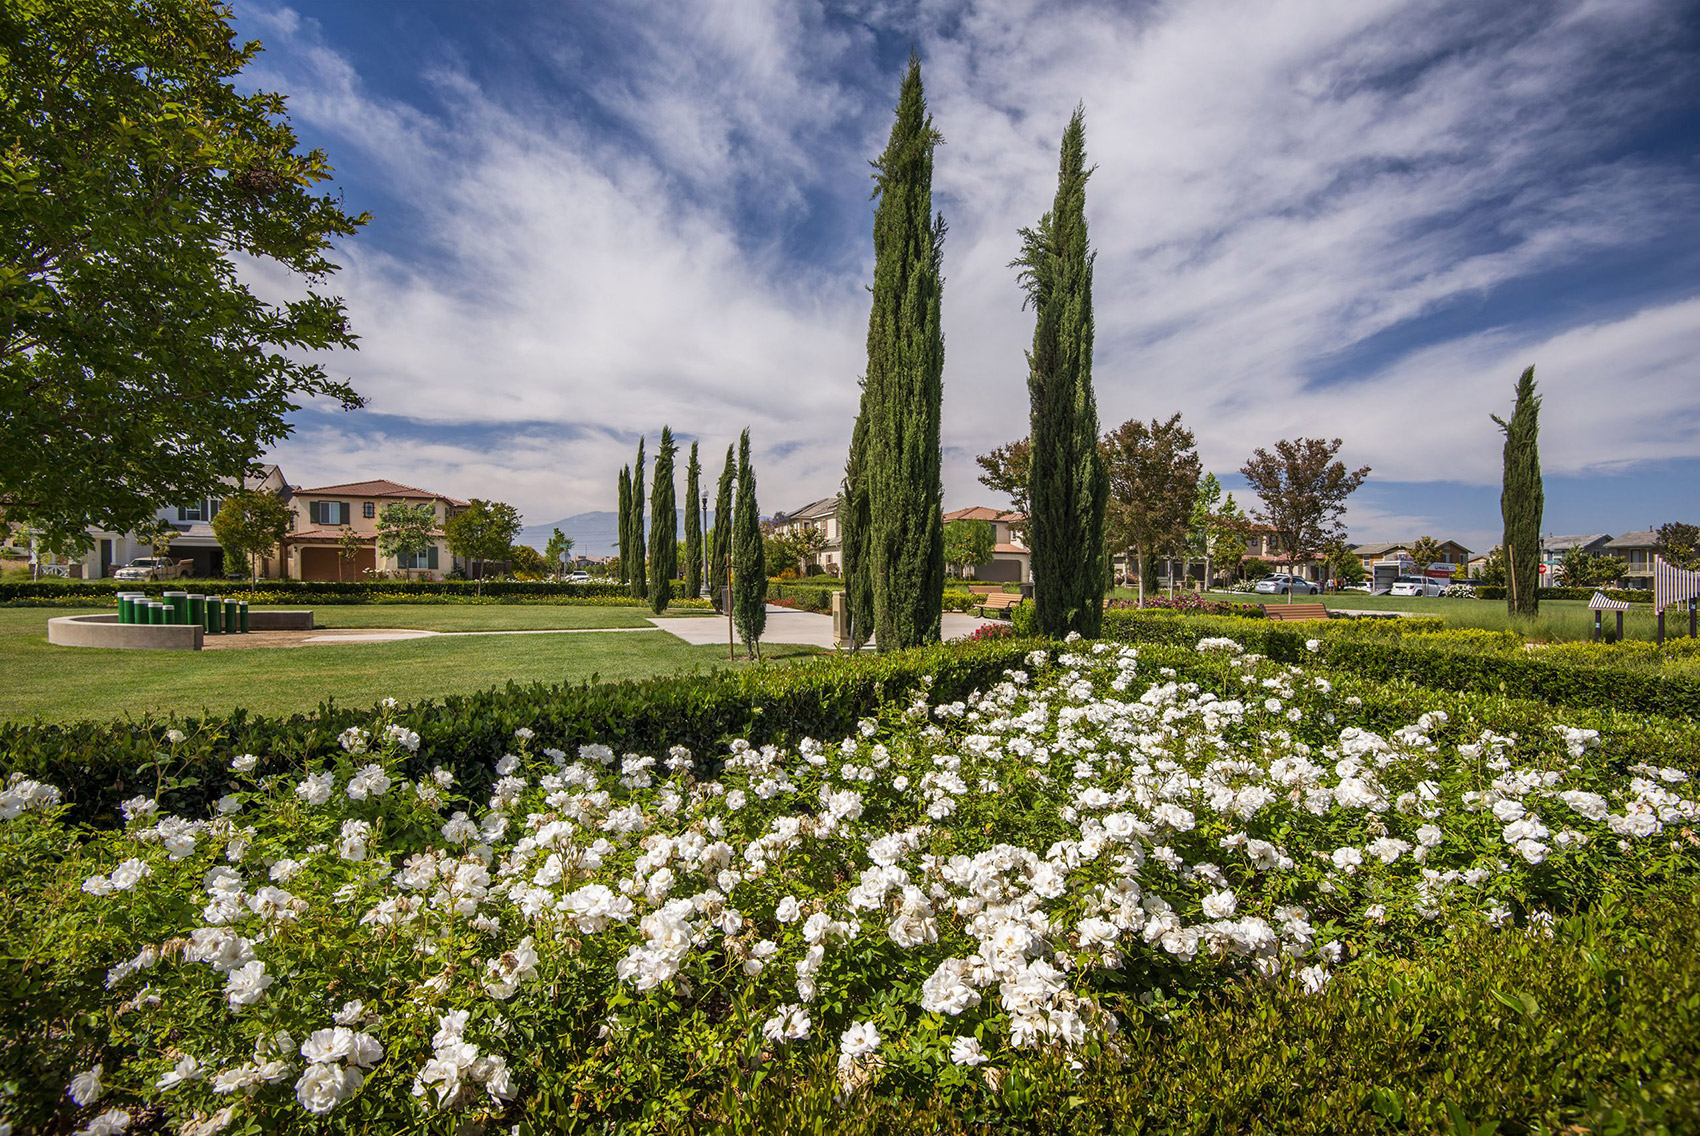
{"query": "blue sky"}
[(1339, 218)]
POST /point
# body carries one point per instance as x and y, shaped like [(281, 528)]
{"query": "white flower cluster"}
[(457, 1069)]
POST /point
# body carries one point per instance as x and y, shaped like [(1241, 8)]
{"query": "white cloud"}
[(1277, 184)]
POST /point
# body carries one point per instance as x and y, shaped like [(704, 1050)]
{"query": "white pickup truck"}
[(151, 568)]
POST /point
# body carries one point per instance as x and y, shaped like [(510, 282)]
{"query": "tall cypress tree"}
[(626, 523), (903, 389), (693, 526), (853, 534), (721, 543), (1522, 499), (640, 574), (663, 526), (1067, 486), (749, 559)]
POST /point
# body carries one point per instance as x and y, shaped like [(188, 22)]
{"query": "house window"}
[(328, 512), (199, 511), (368, 510), (418, 560)]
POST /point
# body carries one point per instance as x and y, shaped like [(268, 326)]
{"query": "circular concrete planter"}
[(104, 630)]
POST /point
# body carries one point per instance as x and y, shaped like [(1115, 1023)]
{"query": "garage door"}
[(1004, 571), (325, 564)]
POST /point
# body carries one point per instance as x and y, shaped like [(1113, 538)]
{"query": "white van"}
[(1418, 586)]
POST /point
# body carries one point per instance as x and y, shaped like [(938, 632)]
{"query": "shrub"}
[(1190, 602), (1629, 595), (313, 591)]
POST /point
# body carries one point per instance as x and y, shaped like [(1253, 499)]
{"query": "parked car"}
[(580, 577), (1417, 586), (1282, 584), (150, 568)]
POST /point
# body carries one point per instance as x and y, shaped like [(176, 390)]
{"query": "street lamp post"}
[(703, 529)]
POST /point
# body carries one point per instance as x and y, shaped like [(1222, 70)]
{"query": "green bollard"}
[(156, 612), (179, 602), (244, 617), (123, 607), (215, 615), (198, 610), (232, 617)]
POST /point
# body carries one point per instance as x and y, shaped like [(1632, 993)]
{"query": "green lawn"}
[(66, 683)]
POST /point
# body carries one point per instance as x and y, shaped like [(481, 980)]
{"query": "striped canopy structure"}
[(1672, 585), (1603, 602)]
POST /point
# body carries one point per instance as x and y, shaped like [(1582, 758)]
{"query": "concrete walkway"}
[(788, 625)]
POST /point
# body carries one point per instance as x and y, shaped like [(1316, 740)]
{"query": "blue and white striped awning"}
[(1603, 602), (1673, 585)]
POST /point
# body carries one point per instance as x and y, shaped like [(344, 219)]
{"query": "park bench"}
[(998, 601), (1295, 611)]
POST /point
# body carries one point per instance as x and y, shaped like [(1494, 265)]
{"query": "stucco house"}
[(313, 548), (821, 515), (1451, 552), (1012, 560), (193, 537), (1635, 549)]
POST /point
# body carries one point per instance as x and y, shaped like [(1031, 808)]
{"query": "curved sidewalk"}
[(788, 625)]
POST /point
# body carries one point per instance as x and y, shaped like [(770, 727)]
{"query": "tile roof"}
[(982, 513), (825, 507), (1585, 540), (1645, 538), (380, 487)]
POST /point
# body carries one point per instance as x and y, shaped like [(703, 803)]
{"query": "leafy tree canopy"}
[(1425, 551), (1679, 543), (135, 366), (1154, 471), (405, 530), (1005, 470), (968, 544), (1304, 489), (556, 552), (250, 523)]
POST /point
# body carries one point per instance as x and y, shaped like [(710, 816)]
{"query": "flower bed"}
[(1189, 602), (961, 888)]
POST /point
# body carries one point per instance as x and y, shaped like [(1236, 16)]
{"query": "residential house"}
[(313, 549), (1451, 552), (821, 515), (1635, 549), (1553, 549), (1012, 560), (192, 537)]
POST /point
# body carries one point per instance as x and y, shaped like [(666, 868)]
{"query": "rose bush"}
[(957, 889)]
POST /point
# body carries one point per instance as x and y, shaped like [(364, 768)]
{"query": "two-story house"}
[(1451, 552), (1553, 549), (1635, 549), (313, 550), (1012, 560), (821, 516), (191, 535)]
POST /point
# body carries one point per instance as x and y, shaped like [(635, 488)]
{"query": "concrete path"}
[(788, 625)]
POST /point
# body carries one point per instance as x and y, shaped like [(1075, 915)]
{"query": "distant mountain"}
[(593, 534)]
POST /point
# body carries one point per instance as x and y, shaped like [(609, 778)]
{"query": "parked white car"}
[(580, 577), (1417, 586), (150, 568), (1282, 584)]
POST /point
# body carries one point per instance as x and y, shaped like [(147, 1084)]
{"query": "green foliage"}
[(693, 526), (251, 523), (720, 546), (1631, 595), (639, 571), (1154, 473), (1425, 551), (749, 563), (527, 562), (854, 531), (1521, 499), (903, 389), (1006, 470), (405, 530), (1679, 544), (1068, 487), (1341, 563), (348, 547), (139, 167), (664, 526), (1582, 569), (625, 521), (1303, 488), (1493, 573), (968, 544), (484, 530), (557, 552)]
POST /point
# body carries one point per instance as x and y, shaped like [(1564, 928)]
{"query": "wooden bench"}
[(1295, 611), (998, 601), (986, 589)]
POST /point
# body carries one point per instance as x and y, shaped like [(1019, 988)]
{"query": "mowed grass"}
[(38, 680)]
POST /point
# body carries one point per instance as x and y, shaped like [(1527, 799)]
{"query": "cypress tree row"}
[(903, 389), (1522, 499), (693, 527), (720, 543), (640, 574), (1068, 485), (663, 526), (626, 523), (853, 534), (749, 560)]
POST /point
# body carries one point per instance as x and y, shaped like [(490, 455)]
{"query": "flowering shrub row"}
[(964, 881), (100, 764), (1189, 602), (1631, 595)]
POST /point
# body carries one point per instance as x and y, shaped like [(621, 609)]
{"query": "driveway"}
[(788, 625)]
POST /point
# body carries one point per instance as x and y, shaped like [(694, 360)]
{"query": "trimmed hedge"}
[(315, 591), (1279, 640), (99, 764), (1628, 595)]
